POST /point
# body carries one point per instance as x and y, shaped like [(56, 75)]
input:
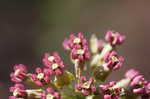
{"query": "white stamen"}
[(15, 93), (77, 40), (40, 76), (17, 72), (80, 52), (49, 96), (115, 59), (86, 85), (51, 58), (55, 66)]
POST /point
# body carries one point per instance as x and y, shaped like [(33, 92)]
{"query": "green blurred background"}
[(29, 28)]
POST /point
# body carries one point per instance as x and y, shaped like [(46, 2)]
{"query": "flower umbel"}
[(54, 81)]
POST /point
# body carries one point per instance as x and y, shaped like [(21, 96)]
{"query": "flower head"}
[(75, 41), (54, 63), (113, 61), (19, 74), (114, 38), (111, 93), (78, 46), (86, 87), (50, 94), (41, 78)]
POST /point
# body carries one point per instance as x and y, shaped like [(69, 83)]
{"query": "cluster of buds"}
[(54, 81)]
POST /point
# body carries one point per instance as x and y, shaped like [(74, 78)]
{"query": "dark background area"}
[(29, 28)]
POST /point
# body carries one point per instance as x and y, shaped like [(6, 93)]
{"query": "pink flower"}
[(19, 74), (131, 74), (138, 83), (86, 87), (41, 78), (114, 38), (81, 54), (18, 91), (113, 61), (78, 46), (54, 63), (111, 93), (137, 80), (75, 41), (147, 86), (51, 94)]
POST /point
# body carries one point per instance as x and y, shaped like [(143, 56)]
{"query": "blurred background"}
[(29, 28)]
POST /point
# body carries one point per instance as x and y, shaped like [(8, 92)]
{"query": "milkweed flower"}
[(19, 92), (78, 46), (50, 94), (86, 87), (135, 82), (75, 41), (139, 85), (79, 51), (115, 38), (54, 63), (113, 61), (111, 93), (104, 59), (19, 74), (40, 78)]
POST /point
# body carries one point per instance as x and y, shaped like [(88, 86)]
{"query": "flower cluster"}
[(113, 61), (78, 46), (114, 38), (54, 63), (110, 92), (86, 87), (41, 78), (139, 85), (54, 81)]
